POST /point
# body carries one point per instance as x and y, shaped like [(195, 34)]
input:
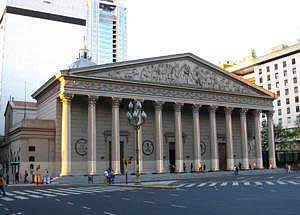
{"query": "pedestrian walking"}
[(17, 177), (184, 167), (236, 170), (105, 176), (289, 168), (25, 177), (192, 167), (2, 185)]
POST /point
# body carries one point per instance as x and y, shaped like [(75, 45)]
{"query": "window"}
[(286, 92), (278, 93), (279, 112), (31, 148), (284, 73), (295, 89), (280, 121), (287, 101), (276, 66), (277, 84), (289, 119), (260, 80), (260, 71), (284, 64), (296, 99), (295, 80), (294, 71), (31, 159), (268, 69), (269, 86), (293, 61), (297, 109), (268, 77), (276, 75), (288, 110), (278, 102), (285, 82)]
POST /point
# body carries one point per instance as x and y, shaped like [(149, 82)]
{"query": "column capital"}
[(243, 111), (158, 105), (212, 108), (66, 97), (92, 99), (270, 113), (116, 102), (257, 112), (196, 108), (178, 106), (228, 110)]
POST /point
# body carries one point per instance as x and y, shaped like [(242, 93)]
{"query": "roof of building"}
[(82, 62), (21, 105)]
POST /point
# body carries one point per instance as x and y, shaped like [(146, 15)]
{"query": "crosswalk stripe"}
[(202, 184), (212, 184), (62, 191), (281, 182), (10, 194), (235, 183), (247, 183), (190, 185), (19, 192), (270, 183), (7, 199), (258, 183), (224, 184), (56, 193), (180, 185), (39, 193), (292, 182), (21, 197), (77, 190), (35, 196)]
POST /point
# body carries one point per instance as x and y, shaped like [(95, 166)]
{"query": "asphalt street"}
[(265, 194)]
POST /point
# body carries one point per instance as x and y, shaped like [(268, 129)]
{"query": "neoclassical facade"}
[(197, 114)]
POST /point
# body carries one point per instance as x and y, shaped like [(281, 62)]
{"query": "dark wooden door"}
[(222, 156), (172, 153)]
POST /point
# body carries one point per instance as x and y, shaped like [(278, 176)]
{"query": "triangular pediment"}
[(183, 71)]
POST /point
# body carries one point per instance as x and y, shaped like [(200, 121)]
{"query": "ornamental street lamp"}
[(136, 117)]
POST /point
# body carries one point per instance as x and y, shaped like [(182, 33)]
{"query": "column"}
[(92, 135), (159, 137), (140, 140), (272, 158), (214, 153), (259, 161), (178, 136), (197, 149), (229, 142), (244, 137), (66, 165), (115, 147)]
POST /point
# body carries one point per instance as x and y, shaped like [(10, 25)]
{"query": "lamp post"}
[(136, 117)]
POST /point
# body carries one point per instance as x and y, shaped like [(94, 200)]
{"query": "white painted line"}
[(212, 184), (180, 185), (7, 209), (70, 203), (270, 177), (107, 213), (258, 183), (235, 183), (224, 184), (178, 206), (190, 185), (202, 184), (57, 193), (58, 200), (292, 182), (10, 194), (62, 191), (84, 207), (19, 192), (247, 183), (48, 195), (281, 182), (21, 197), (126, 199), (35, 196), (149, 202), (7, 199), (270, 183)]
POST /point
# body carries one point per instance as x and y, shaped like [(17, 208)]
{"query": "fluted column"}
[(259, 161), (66, 149), (159, 137), (178, 136), (140, 140), (272, 158), (197, 150), (244, 137), (214, 153), (92, 135), (115, 148), (229, 142)]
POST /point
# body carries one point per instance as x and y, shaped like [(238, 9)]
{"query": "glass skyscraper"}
[(107, 30)]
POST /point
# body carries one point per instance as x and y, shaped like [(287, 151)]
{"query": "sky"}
[(215, 30)]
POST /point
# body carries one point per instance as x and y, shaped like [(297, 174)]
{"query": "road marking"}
[(70, 203), (235, 183), (212, 184), (57, 193), (149, 202), (180, 185), (1, 205), (292, 182), (35, 196), (84, 207), (190, 185), (258, 183), (224, 184), (10, 194), (202, 184), (281, 182), (58, 200), (107, 213), (21, 197), (178, 206), (7, 209), (7, 199), (126, 199), (247, 183), (270, 183), (19, 192), (270, 177)]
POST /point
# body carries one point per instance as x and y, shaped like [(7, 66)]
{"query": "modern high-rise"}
[(107, 30), (37, 39)]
